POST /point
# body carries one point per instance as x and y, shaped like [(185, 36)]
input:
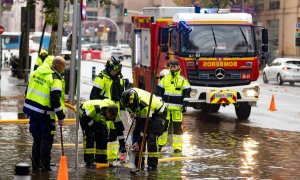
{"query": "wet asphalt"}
[(214, 147)]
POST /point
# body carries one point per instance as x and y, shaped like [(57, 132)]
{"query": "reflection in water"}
[(217, 149), (249, 162), (187, 148)]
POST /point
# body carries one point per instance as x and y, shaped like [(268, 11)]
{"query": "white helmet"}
[(164, 72)]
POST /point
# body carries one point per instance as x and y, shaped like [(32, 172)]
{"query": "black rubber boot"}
[(137, 161), (45, 165), (35, 164), (90, 165)]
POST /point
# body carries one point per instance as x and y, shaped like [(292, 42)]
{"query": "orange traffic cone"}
[(272, 105), (63, 165), (63, 169)]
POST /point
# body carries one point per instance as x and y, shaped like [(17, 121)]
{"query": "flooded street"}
[(215, 145), (212, 149)]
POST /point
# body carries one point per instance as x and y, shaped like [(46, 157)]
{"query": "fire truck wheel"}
[(243, 110), (265, 79)]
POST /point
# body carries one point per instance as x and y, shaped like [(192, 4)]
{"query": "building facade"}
[(281, 18), (117, 27)]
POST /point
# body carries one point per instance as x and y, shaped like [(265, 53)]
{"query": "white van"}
[(126, 50)]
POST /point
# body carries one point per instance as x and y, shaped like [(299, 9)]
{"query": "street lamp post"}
[(112, 21)]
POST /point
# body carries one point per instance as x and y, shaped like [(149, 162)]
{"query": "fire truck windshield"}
[(218, 41)]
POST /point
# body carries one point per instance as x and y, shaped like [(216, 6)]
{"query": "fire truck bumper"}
[(225, 95)]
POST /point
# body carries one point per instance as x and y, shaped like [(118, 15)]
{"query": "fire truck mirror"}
[(264, 37), (164, 36)]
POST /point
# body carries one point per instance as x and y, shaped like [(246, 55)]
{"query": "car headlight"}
[(193, 93), (252, 91)]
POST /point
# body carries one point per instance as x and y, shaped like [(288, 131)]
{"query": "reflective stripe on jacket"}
[(144, 99), (95, 109), (45, 93), (173, 89), (103, 87)]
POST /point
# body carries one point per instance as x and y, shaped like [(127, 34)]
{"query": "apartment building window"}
[(91, 14), (119, 10), (273, 39), (92, 4), (107, 11), (274, 4), (274, 32), (259, 6)]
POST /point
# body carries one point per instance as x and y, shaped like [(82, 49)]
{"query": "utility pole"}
[(73, 54), (60, 27), (28, 9), (0, 44)]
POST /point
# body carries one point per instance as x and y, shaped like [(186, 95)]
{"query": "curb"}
[(103, 61)]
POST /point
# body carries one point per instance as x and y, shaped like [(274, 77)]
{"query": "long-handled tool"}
[(153, 77), (61, 141), (63, 165)]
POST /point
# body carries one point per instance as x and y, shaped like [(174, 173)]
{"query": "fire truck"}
[(217, 51)]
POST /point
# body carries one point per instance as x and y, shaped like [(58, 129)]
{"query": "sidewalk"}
[(12, 93)]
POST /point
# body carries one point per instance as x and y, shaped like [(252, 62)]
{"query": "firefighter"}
[(93, 117), (41, 58), (137, 103), (44, 100), (174, 90), (110, 84)]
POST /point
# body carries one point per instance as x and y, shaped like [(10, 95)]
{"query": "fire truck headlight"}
[(252, 91), (193, 93)]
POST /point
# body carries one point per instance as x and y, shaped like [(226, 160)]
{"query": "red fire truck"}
[(217, 51)]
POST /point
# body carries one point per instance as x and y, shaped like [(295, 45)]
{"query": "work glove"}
[(122, 148), (135, 146), (185, 103), (183, 110), (132, 115), (60, 122)]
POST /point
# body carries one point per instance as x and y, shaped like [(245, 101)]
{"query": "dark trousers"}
[(42, 129), (96, 133), (151, 140)]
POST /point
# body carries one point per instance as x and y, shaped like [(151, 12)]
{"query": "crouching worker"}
[(136, 101), (93, 117)]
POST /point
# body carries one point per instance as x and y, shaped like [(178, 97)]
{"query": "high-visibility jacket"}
[(39, 61), (106, 86), (96, 109), (174, 90), (48, 61), (143, 104), (45, 93)]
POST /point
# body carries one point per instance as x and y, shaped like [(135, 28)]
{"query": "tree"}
[(224, 3), (211, 3)]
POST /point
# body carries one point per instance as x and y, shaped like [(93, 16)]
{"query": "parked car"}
[(106, 52), (96, 47), (126, 50), (282, 70), (117, 52), (93, 47)]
